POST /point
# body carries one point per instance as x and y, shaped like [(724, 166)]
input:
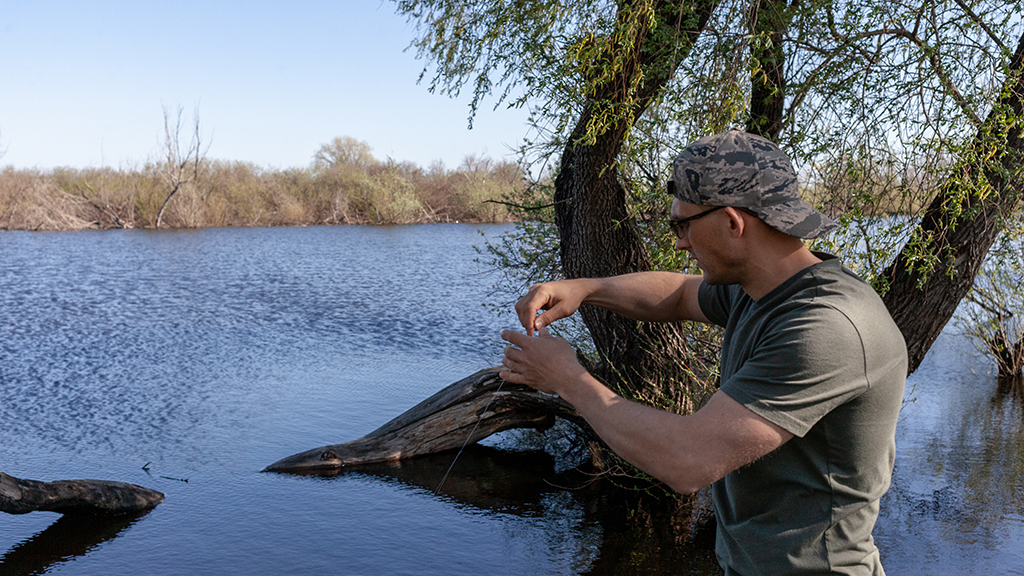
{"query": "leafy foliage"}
[(886, 107)]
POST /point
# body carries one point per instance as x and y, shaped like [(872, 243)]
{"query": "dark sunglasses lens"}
[(678, 228), (671, 187)]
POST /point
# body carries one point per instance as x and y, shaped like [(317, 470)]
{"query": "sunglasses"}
[(681, 226)]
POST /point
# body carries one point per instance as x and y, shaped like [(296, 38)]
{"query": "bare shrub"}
[(31, 202), (434, 189), (480, 184), (238, 194), (392, 198)]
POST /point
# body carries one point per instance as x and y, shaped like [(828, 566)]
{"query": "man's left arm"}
[(685, 452)]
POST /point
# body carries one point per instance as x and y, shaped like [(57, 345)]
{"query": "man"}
[(798, 442)]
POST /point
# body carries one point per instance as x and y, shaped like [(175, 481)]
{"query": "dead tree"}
[(180, 166)]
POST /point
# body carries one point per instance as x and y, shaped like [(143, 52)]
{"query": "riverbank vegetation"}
[(344, 184)]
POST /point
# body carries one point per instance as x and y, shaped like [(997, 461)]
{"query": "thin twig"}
[(523, 207)]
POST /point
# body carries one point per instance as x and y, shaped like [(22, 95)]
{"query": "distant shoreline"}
[(231, 194), (167, 228)]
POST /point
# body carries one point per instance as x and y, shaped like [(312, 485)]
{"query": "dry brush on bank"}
[(338, 189)]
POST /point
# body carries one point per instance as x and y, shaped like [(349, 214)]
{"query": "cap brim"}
[(796, 218)]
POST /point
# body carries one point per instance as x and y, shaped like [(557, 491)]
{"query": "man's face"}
[(705, 239)]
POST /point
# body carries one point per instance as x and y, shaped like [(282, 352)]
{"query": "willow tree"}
[(589, 71), (917, 108), (903, 118)]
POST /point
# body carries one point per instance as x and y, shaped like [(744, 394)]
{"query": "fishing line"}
[(471, 432)]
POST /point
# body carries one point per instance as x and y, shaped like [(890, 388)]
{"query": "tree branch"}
[(522, 206)]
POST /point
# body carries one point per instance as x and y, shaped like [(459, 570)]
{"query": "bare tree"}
[(181, 166)]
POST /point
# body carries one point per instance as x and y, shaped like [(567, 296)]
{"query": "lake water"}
[(205, 355)]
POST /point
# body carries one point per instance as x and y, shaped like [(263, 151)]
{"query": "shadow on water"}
[(71, 536), (643, 530)]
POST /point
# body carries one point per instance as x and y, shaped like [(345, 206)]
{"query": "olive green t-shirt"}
[(821, 357)]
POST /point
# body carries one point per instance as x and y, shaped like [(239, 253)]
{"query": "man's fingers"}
[(508, 376), (526, 315), (528, 320), (544, 320), (515, 338), (511, 356), (528, 306), (520, 340), (512, 372)]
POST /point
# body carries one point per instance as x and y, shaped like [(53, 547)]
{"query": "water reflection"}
[(958, 491), (1012, 386), (484, 477), (615, 530), (67, 538)]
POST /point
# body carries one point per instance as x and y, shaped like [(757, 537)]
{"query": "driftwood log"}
[(465, 412), (19, 496)]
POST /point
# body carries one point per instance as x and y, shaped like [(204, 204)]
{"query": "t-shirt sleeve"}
[(810, 363), (715, 302)]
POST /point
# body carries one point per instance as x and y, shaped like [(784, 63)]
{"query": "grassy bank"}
[(343, 185)]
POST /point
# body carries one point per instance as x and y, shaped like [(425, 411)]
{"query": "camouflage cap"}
[(739, 169)]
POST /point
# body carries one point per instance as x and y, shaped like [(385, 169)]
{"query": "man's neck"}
[(776, 266)]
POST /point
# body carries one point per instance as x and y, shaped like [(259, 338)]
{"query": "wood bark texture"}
[(19, 496), (463, 413)]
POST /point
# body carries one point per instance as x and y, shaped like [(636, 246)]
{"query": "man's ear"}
[(736, 222)]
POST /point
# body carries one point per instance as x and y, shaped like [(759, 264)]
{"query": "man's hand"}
[(558, 300), (545, 362), (686, 452)]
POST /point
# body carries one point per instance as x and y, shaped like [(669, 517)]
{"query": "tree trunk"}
[(769, 19), (923, 301), (598, 237)]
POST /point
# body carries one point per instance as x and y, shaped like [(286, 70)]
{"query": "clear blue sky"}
[(85, 83)]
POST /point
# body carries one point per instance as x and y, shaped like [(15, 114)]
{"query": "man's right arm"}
[(647, 296)]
